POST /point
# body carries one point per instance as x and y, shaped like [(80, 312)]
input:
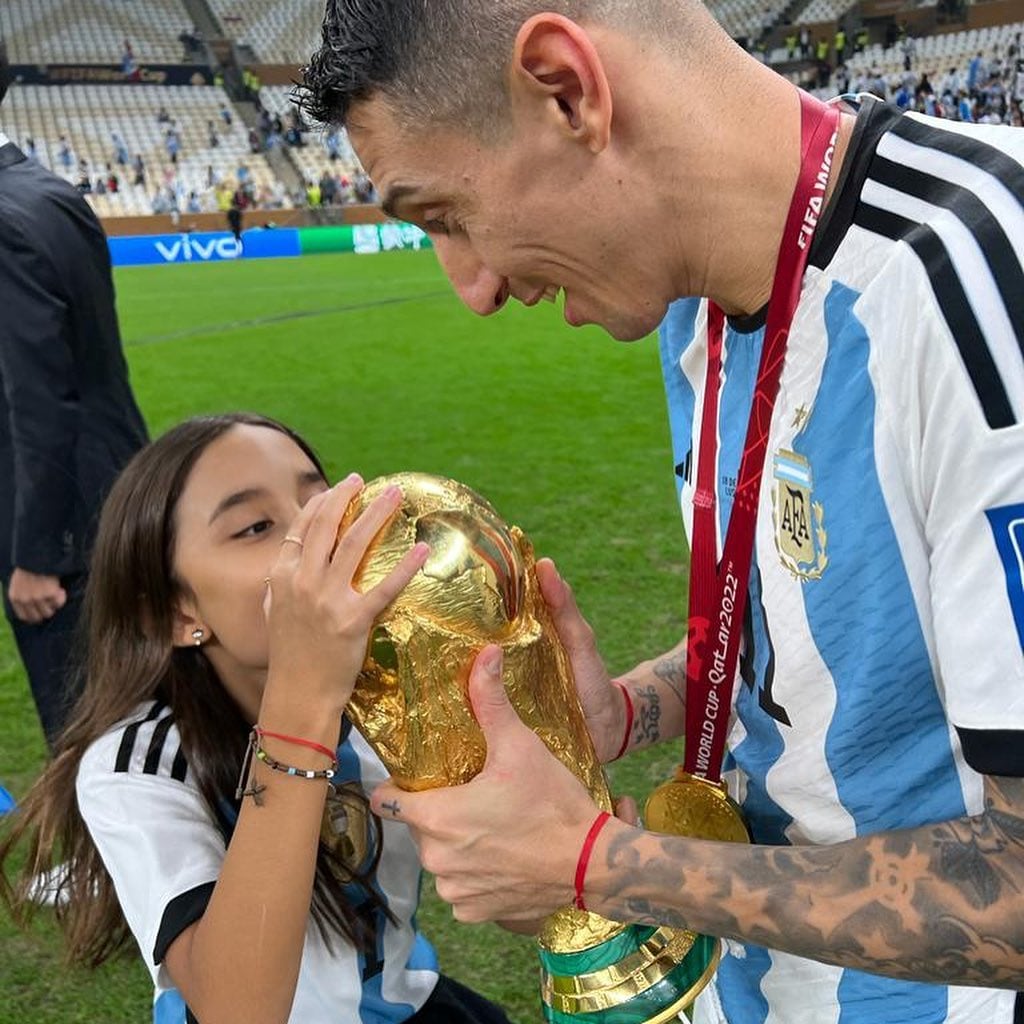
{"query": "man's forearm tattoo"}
[(647, 724), (940, 903), (672, 670)]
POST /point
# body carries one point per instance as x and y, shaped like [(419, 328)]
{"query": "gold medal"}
[(687, 805)]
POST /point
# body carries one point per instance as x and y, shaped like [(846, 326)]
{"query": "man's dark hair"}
[(5, 70), (445, 62)]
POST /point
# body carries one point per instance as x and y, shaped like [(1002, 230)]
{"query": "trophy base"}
[(644, 975)]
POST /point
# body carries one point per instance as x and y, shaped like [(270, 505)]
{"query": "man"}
[(68, 421), (877, 735)]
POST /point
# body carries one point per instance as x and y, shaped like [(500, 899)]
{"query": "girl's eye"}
[(255, 528)]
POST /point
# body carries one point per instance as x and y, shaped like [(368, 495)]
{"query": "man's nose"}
[(480, 288)]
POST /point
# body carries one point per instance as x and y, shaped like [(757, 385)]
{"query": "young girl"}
[(201, 798)]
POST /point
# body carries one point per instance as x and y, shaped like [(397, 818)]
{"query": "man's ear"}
[(555, 61)]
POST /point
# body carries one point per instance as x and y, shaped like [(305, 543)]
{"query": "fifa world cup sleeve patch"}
[(1008, 529)]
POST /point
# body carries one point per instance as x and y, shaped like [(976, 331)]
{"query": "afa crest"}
[(799, 521)]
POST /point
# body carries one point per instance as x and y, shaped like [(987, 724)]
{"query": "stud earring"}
[(197, 635)]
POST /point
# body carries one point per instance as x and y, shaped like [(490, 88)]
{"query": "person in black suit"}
[(68, 419)]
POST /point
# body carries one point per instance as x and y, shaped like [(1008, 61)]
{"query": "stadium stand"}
[(277, 31), (92, 31), (314, 157), (939, 53), (88, 115), (747, 19), (823, 10), (277, 36)]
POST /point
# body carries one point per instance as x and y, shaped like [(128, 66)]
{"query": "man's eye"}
[(255, 528)]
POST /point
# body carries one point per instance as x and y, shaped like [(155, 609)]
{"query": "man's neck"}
[(732, 197), (749, 287)]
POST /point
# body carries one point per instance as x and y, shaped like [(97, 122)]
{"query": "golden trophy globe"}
[(411, 704)]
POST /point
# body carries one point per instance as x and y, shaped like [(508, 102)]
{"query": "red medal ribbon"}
[(718, 591)]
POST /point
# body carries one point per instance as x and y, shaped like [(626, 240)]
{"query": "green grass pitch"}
[(376, 362)]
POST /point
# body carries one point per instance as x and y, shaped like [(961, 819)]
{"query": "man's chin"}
[(632, 330)]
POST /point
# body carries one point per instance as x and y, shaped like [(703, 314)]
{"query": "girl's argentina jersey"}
[(164, 852), (882, 674)]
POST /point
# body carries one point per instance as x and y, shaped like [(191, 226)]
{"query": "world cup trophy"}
[(411, 704)]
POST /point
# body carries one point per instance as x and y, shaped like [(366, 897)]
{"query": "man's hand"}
[(35, 598), (503, 846)]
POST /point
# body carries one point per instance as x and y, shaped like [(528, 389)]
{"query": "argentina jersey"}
[(882, 674), (164, 851)]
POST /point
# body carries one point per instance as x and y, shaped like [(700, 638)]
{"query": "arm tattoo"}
[(672, 670), (937, 903), (646, 725)]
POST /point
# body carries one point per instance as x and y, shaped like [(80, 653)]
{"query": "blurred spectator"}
[(191, 43), (223, 193), (113, 181), (255, 142), (120, 149), (172, 144), (129, 66), (328, 189), (64, 155), (139, 167), (193, 205), (212, 138), (84, 185), (974, 70), (333, 143), (840, 44), (805, 42), (30, 149), (225, 113), (68, 420), (162, 117), (234, 216), (313, 197)]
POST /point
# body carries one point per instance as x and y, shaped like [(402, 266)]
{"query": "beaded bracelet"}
[(255, 751), (287, 769)]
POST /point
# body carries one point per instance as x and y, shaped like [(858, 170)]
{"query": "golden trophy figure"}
[(478, 587)]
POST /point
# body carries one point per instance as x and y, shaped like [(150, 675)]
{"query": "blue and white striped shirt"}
[(882, 673)]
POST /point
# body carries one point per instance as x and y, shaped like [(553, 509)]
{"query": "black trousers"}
[(48, 654), (453, 1003)]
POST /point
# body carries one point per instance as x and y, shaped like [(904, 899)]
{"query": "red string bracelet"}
[(629, 719), (585, 852), (309, 744)]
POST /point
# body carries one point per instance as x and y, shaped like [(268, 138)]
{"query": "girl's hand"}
[(318, 621), (602, 702)]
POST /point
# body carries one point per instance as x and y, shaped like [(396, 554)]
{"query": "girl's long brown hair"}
[(130, 660)]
